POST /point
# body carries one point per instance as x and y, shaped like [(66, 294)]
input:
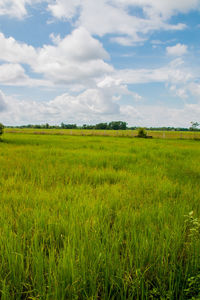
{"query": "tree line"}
[(114, 125)]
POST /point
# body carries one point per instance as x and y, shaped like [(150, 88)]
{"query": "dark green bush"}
[(1, 128), (142, 133)]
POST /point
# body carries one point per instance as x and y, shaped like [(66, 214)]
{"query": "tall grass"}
[(116, 133), (99, 218)]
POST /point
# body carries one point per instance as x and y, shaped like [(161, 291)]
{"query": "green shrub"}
[(1, 128), (142, 133)]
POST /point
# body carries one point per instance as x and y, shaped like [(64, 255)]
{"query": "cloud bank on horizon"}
[(86, 61)]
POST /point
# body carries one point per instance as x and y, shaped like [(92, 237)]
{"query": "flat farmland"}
[(114, 133), (95, 217)]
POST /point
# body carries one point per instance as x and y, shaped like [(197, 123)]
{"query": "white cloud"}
[(109, 82), (79, 45), (14, 75), (114, 17), (72, 8), (186, 90), (151, 115), (171, 73), (63, 9), (78, 57), (78, 61), (116, 87), (2, 102), (110, 16), (13, 51), (15, 8), (11, 73), (90, 102), (177, 50), (179, 92), (88, 106), (135, 76), (194, 89), (93, 106), (164, 8), (67, 9)]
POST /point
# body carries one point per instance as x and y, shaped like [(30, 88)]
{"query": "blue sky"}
[(86, 61)]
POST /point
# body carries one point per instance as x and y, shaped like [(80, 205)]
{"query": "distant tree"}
[(68, 126), (101, 126), (1, 128), (194, 126), (117, 125), (85, 126)]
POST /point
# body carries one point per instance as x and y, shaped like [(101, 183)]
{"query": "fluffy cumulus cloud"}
[(16, 8), (15, 52), (129, 27), (93, 106), (77, 57), (161, 10), (164, 8), (63, 9), (115, 88), (80, 63), (177, 50), (12, 74), (90, 105), (13, 8), (71, 60)]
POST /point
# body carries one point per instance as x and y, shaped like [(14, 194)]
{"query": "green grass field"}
[(92, 217), (115, 133)]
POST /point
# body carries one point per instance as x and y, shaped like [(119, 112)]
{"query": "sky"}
[(92, 61)]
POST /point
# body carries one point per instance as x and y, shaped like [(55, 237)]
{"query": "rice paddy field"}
[(115, 133), (99, 217)]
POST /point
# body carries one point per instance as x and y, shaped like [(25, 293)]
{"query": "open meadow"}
[(194, 135), (95, 217)]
